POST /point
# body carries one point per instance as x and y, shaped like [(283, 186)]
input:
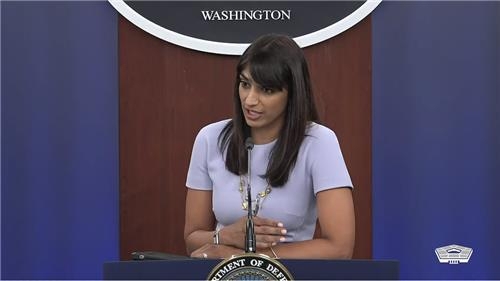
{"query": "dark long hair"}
[(276, 62)]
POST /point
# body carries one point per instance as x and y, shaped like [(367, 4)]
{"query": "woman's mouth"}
[(252, 114)]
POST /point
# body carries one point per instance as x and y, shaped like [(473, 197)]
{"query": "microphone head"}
[(249, 143)]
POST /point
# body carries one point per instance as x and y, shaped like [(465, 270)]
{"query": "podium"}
[(199, 269)]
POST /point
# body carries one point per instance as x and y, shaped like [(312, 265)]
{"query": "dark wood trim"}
[(167, 93)]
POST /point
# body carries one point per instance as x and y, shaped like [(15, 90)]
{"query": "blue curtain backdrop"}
[(436, 136), (59, 139)]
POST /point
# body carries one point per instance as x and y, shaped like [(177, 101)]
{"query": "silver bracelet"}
[(274, 253), (216, 237)]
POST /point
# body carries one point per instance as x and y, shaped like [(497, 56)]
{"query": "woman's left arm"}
[(336, 218)]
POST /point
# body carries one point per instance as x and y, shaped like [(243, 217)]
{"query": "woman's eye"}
[(244, 84), (267, 90)]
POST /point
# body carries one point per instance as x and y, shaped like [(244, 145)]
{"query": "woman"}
[(298, 174)]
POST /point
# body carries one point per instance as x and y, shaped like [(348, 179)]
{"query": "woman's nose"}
[(253, 97)]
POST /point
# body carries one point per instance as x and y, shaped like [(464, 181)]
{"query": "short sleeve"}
[(197, 176), (328, 168)]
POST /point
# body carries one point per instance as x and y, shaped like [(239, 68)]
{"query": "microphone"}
[(250, 243), (249, 144)]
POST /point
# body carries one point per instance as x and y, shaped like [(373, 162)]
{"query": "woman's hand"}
[(267, 233), (213, 251)]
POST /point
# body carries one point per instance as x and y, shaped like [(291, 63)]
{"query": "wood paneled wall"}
[(167, 93)]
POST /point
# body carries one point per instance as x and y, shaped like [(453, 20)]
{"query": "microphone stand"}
[(250, 243)]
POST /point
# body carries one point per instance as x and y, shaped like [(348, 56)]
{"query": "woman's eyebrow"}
[(243, 77)]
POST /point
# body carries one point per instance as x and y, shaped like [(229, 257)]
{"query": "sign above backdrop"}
[(228, 27)]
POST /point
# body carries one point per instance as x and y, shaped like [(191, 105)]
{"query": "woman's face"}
[(264, 109)]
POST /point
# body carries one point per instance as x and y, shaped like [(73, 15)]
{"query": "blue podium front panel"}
[(199, 269)]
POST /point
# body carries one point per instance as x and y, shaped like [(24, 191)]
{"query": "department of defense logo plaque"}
[(250, 267), (228, 27)]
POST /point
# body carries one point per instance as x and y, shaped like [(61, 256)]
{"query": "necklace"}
[(258, 201)]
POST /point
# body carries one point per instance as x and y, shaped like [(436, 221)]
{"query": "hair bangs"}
[(268, 71)]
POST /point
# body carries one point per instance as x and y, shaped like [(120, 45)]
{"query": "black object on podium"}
[(199, 269)]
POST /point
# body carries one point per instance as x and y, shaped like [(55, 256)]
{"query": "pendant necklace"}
[(258, 201)]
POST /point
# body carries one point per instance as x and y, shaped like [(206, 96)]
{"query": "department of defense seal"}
[(250, 267)]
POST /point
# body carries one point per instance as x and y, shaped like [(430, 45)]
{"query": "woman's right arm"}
[(200, 221)]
